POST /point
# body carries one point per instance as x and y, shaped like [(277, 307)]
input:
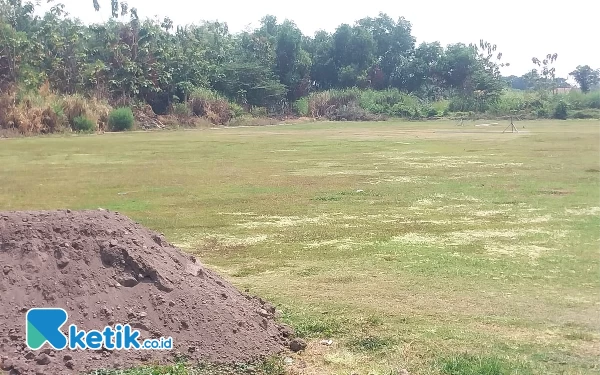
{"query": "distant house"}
[(563, 90)]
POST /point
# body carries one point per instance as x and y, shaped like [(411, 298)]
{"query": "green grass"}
[(371, 343), (420, 240), (272, 366), (477, 365)]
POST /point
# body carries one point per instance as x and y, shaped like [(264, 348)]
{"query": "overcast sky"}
[(521, 29)]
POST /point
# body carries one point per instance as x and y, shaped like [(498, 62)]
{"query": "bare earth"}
[(104, 269)]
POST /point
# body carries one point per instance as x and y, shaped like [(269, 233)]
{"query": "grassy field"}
[(428, 247)]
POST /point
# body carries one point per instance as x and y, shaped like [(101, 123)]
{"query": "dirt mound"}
[(104, 269)]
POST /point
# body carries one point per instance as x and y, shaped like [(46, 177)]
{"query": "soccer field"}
[(425, 246)]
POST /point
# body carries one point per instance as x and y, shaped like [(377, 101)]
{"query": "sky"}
[(521, 29)]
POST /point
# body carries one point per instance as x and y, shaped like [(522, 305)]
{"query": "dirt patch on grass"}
[(341, 244), (531, 251), (396, 179), (556, 192), (104, 269), (589, 211), (282, 221), (213, 242), (460, 238)]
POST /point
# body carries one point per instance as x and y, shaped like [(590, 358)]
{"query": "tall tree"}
[(323, 71), (394, 45), (547, 74), (586, 77), (353, 53), (114, 6), (292, 62)]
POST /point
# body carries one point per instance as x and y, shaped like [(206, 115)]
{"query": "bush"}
[(73, 106), (592, 100), (560, 111), (585, 114), (441, 107), (181, 110), (236, 110), (350, 112), (576, 99), (301, 107), (392, 102), (510, 101), (83, 124), (431, 112), (30, 113), (212, 106), (541, 113), (121, 119), (358, 104), (259, 112)]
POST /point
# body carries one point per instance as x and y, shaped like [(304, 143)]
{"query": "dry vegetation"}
[(45, 112)]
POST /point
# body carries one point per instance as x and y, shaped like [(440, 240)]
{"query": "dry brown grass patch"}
[(216, 110)]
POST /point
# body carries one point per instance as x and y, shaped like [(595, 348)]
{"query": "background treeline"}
[(56, 72)]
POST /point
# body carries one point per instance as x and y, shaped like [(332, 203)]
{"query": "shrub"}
[(576, 99), (318, 104), (560, 111), (83, 124), (592, 100), (541, 112), (441, 107), (350, 112), (7, 108), (121, 119), (585, 114), (324, 104), (301, 107), (29, 113), (510, 101), (181, 110), (458, 104), (209, 104), (259, 112), (73, 106), (236, 110), (430, 112), (392, 102), (358, 104)]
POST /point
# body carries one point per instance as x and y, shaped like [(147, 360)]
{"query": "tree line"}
[(151, 60)]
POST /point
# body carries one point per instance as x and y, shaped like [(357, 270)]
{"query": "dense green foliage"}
[(83, 124), (586, 77), (374, 67), (121, 119)]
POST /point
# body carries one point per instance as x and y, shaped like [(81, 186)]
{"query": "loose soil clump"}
[(105, 269)]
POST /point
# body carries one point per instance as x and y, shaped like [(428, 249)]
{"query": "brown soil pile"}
[(104, 269)]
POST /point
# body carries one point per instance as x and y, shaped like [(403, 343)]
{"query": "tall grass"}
[(213, 106), (536, 105), (42, 111), (357, 104), (394, 103)]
